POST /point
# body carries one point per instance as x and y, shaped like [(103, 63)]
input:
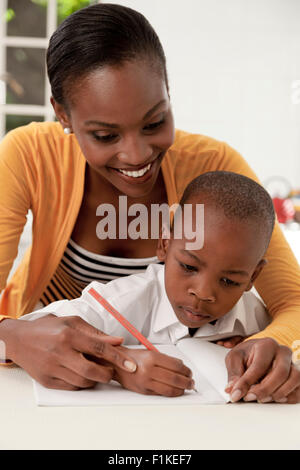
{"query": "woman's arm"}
[(51, 349), (279, 282), (261, 364), (15, 201), (54, 351)]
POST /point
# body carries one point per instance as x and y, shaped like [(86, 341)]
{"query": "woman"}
[(115, 137)]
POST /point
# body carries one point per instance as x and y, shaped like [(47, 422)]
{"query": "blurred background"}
[(234, 72)]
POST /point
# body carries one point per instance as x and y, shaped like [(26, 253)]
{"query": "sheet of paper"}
[(113, 394), (207, 362)]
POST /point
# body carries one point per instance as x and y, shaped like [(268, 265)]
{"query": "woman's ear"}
[(61, 114), (256, 272), (163, 243)]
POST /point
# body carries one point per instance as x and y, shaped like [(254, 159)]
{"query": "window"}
[(25, 29), (24, 87)]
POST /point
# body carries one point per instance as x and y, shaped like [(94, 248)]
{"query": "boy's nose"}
[(203, 293)]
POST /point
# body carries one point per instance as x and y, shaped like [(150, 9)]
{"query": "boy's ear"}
[(163, 243), (256, 272), (60, 113)]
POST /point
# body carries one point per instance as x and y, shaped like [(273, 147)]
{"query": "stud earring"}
[(67, 130)]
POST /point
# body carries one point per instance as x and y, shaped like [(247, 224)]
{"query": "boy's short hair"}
[(240, 198)]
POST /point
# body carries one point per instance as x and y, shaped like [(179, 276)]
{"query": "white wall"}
[(232, 65)]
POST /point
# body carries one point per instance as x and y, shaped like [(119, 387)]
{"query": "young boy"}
[(200, 292)]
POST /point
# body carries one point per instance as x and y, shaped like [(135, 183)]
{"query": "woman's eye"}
[(104, 138), (154, 125), (229, 282), (188, 267)]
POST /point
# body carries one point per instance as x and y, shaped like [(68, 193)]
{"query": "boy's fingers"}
[(173, 364), (172, 379), (160, 388)]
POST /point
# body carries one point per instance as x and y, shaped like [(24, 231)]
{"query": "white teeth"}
[(136, 174)]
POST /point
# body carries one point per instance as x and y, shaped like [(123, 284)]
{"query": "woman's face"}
[(123, 122)]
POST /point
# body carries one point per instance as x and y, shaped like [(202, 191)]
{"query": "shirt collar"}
[(168, 318)]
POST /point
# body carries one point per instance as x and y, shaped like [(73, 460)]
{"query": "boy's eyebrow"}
[(94, 122), (225, 271), (186, 252), (236, 271)]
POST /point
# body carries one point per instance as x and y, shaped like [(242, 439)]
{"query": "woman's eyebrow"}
[(94, 122), (152, 110)]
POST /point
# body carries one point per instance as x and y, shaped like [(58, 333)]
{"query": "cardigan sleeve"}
[(15, 200), (279, 282)]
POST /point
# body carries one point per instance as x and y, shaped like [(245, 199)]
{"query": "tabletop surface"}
[(231, 426)]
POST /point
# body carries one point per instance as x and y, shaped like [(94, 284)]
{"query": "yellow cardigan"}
[(43, 169)]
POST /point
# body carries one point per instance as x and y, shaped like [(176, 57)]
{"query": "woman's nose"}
[(135, 151)]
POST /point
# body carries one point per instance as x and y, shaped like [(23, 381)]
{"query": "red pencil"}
[(137, 334)]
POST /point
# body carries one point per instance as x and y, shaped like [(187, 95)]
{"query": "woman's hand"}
[(156, 374), (54, 350), (262, 370)]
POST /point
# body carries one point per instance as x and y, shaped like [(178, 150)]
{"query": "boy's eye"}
[(154, 125), (188, 267), (228, 282)]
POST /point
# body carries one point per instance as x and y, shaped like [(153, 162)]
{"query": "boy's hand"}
[(230, 342), (156, 374), (262, 370)]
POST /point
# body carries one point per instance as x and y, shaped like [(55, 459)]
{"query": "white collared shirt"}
[(142, 300)]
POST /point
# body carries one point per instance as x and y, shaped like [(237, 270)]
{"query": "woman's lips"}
[(138, 179)]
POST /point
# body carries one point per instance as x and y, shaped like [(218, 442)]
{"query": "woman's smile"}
[(139, 174)]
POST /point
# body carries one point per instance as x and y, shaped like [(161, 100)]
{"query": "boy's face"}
[(203, 285)]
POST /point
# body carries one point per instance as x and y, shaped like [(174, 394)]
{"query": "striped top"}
[(78, 267)]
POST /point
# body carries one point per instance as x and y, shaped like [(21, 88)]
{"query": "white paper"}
[(210, 377)]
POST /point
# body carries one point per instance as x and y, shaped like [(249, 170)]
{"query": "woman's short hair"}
[(96, 36)]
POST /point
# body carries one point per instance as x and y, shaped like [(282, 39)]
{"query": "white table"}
[(231, 426)]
